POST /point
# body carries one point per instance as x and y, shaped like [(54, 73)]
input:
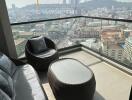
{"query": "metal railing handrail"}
[(63, 18)]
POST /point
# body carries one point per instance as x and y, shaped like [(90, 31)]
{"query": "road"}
[(65, 42)]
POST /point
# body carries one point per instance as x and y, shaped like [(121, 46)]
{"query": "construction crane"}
[(37, 3), (37, 6)]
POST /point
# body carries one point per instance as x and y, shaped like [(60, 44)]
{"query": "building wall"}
[(128, 50), (115, 53)]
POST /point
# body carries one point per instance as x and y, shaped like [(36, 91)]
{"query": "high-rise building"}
[(74, 2), (110, 44), (128, 49), (114, 51), (13, 6), (127, 33), (64, 1)]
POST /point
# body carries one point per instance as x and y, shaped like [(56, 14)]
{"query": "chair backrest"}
[(49, 44)]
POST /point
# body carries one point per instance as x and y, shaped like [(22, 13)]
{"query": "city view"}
[(107, 37)]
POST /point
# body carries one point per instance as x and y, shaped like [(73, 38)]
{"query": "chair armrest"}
[(50, 43)]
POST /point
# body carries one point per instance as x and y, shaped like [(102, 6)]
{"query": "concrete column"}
[(7, 44)]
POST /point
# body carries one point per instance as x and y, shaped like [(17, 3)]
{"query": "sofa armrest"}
[(17, 61)]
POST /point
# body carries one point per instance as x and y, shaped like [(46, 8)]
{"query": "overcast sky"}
[(21, 3)]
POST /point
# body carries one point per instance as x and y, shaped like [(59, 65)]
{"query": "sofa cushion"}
[(19, 82), (27, 84), (7, 65), (6, 84), (4, 96), (38, 44)]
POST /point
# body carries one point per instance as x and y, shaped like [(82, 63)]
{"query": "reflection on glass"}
[(61, 32), (29, 10), (109, 38)]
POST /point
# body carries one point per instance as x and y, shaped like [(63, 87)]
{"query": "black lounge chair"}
[(40, 52)]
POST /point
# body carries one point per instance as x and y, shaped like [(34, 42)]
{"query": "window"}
[(99, 35), (29, 10)]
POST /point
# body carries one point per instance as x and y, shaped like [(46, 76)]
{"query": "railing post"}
[(130, 96), (101, 24)]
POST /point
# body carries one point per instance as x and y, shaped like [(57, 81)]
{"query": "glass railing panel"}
[(109, 38), (91, 34), (62, 32), (112, 39)]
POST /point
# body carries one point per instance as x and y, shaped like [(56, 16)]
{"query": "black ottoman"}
[(71, 80)]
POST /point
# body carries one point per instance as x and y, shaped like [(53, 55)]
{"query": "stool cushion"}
[(71, 72)]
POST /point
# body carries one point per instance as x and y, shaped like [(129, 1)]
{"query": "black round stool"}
[(71, 80)]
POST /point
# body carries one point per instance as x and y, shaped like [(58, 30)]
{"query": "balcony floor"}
[(111, 83)]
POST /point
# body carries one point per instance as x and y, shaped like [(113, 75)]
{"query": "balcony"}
[(112, 83), (102, 44)]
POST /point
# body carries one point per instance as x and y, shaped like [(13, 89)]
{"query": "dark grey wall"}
[(7, 45)]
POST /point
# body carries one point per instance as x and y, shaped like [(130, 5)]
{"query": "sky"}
[(21, 3)]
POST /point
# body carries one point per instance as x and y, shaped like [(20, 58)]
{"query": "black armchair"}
[(41, 60)]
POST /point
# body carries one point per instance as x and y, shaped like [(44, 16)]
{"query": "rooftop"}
[(129, 39), (111, 83)]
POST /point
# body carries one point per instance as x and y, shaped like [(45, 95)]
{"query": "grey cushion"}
[(7, 65), (70, 71), (19, 82), (38, 44), (6, 84), (27, 84), (4, 96)]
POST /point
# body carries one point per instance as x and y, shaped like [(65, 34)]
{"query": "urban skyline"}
[(106, 37), (29, 2)]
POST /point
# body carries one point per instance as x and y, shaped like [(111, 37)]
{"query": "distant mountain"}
[(105, 3), (86, 5)]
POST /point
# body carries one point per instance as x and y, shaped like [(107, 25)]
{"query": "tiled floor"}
[(84, 57), (111, 83)]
